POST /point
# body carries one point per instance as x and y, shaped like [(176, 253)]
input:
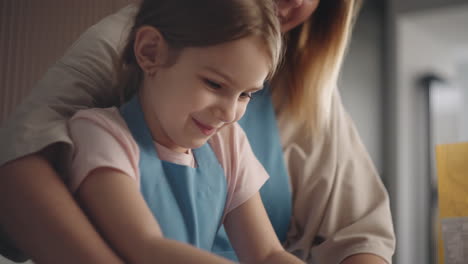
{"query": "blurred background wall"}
[(34, 34), (361, 82)]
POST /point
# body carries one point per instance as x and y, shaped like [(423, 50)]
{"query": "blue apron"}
[(188, 203), (259, 123)]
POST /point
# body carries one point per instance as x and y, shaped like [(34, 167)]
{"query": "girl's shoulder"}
[(101, 139), (108, 120), (107, 117)]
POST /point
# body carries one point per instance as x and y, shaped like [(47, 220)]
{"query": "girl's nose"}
[(226, 111)]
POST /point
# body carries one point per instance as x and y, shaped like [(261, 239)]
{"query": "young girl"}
[(171, 164)]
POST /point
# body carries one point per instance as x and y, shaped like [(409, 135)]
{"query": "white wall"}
[(419, 53), (447, 106), (462, 73), (450, 108), (402, 6), (361, 79)]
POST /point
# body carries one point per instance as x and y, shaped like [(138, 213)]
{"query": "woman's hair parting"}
[(198, 23)]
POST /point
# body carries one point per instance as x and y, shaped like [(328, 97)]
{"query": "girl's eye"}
[(246, 95), (212, 84)]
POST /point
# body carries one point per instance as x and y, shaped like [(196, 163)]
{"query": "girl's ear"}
[(150, 49)]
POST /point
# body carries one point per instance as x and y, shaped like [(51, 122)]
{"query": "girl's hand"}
[(252, 235), (118, 210)]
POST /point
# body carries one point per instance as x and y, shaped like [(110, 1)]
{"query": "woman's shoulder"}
[(108, 25), (90, 59), (112, 28)]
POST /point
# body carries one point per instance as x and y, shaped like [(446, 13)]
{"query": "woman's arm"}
[(252, 235), (115, 205), (44, 214), (39, 213)]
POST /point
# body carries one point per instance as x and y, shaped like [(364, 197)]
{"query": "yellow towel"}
[(452, 174)]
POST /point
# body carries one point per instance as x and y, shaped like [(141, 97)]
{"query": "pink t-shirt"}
[(102, 139)]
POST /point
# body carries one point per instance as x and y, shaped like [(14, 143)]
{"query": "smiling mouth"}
[(205, 129)]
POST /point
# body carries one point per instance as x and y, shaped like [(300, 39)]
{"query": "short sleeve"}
[(245, 174), (100, 141)]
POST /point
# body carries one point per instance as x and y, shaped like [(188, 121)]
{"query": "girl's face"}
[(292, 13), (206, 89)]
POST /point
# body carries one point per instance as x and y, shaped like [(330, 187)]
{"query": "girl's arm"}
[(252, 235), (117, 209), (363, 258), (37, 210)]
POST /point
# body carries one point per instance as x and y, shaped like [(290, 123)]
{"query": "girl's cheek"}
[(240, 113)]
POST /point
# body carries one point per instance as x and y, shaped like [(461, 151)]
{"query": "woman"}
[(340, 209)]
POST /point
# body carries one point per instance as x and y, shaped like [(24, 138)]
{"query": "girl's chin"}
[(192, 144), (198, 143)]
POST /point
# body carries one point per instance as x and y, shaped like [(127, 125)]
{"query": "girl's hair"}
[(197, 23), (314, 55)]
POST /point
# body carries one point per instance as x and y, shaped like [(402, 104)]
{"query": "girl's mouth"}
[(205, 129)]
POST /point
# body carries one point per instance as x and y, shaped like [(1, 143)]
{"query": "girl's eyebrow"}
[(225, 76), (229, 79)]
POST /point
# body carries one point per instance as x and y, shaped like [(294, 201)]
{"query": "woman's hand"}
[(40, 214)]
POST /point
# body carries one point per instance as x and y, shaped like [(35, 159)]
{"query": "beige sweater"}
[(340, 205)]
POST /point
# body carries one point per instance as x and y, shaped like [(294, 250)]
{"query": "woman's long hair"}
[(314, 55)]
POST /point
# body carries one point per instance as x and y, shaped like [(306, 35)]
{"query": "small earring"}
[(151, 73)]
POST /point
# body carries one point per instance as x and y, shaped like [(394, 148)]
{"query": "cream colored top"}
[(340, 205)]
